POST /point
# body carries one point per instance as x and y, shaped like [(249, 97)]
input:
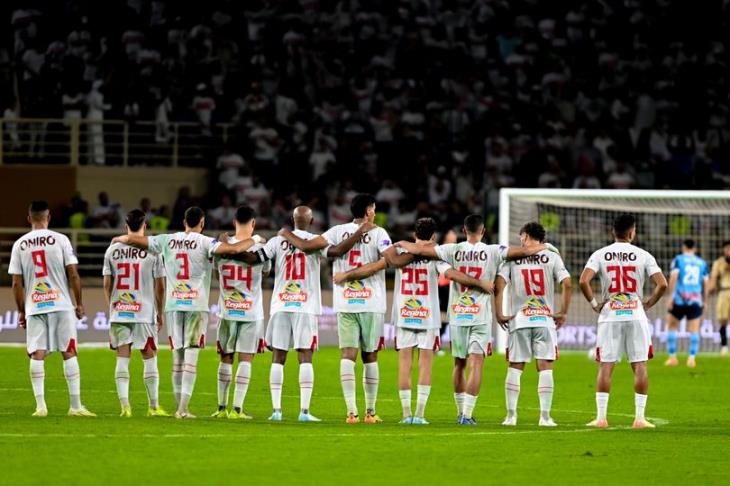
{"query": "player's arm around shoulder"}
[(361, 272), (138, 241), (517, 252), (314, 244), (500, 284), (397, 259), (420, 249), (346, 245), (485, 285)]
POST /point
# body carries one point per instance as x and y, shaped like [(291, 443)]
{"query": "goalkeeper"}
[(720, 281)]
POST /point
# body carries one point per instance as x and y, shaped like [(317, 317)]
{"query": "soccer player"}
[(42, 265), (188, 267), (688, 292), (720, 281), (622, 323), (470, 314), (360, 304), (416, 312), (240, 318), (134, 286), (532, 327)]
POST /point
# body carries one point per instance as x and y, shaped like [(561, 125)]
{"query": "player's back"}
[(41, 257), (622, 269), (690, 281), (416, 298), (532, 292), (133, 271), (241, 296)]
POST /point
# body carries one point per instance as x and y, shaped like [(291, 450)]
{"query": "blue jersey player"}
[(688, 291)]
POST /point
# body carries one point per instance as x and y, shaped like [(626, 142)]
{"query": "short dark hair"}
[(473, 223), (726, 243), (689, 243), (38, 207), (135, 219), (360, 204), (244, 214), (425, 228), (623, 224), (193, 216), (534, 230)]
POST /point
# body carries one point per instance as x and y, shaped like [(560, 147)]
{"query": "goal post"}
[(578, 222)]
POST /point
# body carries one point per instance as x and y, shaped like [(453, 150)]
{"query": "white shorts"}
[(532, 342), (418, 338), (466, 340), (292, 330), (240, 336), (141, 335), (630, 337), (186, 329), (55, 331)]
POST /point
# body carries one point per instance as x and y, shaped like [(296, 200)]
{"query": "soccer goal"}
[(578, 222)]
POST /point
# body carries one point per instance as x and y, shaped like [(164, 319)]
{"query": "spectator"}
[(106, 214), (95, 119), (222, 216), (229, 165)]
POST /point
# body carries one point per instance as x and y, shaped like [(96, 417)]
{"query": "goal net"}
[(579, 222)]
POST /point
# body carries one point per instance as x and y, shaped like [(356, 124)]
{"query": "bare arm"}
[(362, 272), (250, 257), (136, 241), (712, 283), (346, 245), (660, 286), (673, 277), (108, 288), (74, 281), (500, 285), (515, 252), (307, 246), (466, 280), (227, 249), (585, 287), (160, 301), (416, 249), (395, 260), (565, 297), (19, 296)]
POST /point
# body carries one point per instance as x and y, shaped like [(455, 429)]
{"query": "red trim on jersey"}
[(437, 343), (489, 349), (313, 346), (506, 354), (201, 343), (172, 346), (150, 344), (395, 343), (71, 346), (651, 351), (598, 354), (262, 346), (381, 343)]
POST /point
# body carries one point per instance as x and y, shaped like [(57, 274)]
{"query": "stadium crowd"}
[(431, 105)]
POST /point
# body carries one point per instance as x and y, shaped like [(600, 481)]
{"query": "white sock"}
[(37, 379), (225, 376), (276, 382), (347, 378), (152, 381), (545, 392), (306, 384), (470, 401), (459, 400), (512, 389), (189, 374), (178, 356), (422, 397), (601, 405), (405, 401), (121, 377), (73, 379), (640, 404), (370, 381), (243, 377)]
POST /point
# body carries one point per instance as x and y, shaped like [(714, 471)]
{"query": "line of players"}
[(140, 272)]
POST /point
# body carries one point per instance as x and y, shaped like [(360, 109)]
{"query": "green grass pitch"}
[(691, 408)]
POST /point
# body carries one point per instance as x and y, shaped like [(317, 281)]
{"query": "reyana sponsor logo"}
[(183, 291), (536, 308), (466, 305), (233, 300), (44, 295), (127, 304), (356, 290), (413, 309), (293, 294), (623, 303)]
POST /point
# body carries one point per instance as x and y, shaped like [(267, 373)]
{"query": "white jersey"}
[(133, 273), (241, 297), (622, 268), (532, 293), (416, 295), (41, 257), (297, 287), (366, 295), (468, 307), (188, 259)]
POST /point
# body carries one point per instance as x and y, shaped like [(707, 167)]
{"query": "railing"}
[(109, 142)]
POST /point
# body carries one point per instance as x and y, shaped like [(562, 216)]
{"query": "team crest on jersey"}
[(356, 292), (127, 305), (293, 295), (413, 311), (44, 295), (623, 304), (536, 309), (237, 303), (184, 294), (466, 308)]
